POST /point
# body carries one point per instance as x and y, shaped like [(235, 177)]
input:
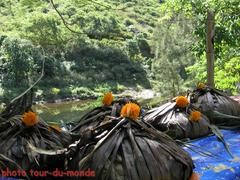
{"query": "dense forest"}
[(88, 47)]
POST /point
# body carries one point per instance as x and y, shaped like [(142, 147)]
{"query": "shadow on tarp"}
[(222, 167)]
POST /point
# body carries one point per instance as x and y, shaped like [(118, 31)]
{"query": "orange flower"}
[(182, 101), (55, 127), (130, 110), (195, 116), (107, 99), (194, 176), (29, 119), (201, 86)]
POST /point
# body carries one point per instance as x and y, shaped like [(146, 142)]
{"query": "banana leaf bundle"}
[(18, 105), (5, 163), (126, 148), (100, 114), (17, 132), (178, 119), (9, 168), (220, 109), (91, 119)]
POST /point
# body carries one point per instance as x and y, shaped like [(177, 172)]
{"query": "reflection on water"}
[(66, 111)]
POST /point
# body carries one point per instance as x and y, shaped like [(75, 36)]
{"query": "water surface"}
[(66, 111)]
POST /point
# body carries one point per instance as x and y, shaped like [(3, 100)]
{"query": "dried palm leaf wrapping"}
[(177, 121), (64, 136), (15, 134), (92, 119), (99, 115), (132, 150), (18, 105), (5, 163), (221, 109), (9, 168)]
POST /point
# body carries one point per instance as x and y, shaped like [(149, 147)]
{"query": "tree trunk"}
[(210, 48)]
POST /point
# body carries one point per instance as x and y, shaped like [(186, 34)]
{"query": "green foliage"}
[(81, 91), (171, 45), (226, 40), (198, 70), (229, 76), (100, 64), (20, 62), (55, 91), (44, 29), (93, 47), (21, 65), (109, 45)]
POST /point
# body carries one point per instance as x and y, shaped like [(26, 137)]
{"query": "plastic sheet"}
[(222, 166)]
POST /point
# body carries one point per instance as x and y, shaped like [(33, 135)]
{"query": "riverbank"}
[(129, 92), (72, 108), (68, 110)]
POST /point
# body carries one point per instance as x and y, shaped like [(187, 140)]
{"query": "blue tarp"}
[(223, 166)]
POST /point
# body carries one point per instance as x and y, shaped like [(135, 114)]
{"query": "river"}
[(65, 111)]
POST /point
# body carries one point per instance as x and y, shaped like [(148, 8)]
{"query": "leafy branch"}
[(107, 35)]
